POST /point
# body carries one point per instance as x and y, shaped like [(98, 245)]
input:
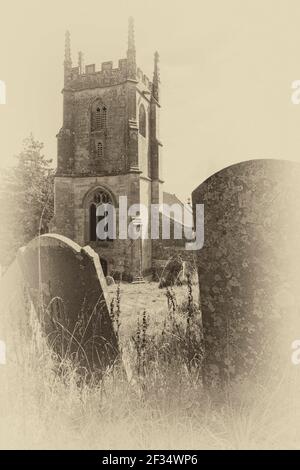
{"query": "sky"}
[(226, 70)]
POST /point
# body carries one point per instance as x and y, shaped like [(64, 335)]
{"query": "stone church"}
[(109, 147)]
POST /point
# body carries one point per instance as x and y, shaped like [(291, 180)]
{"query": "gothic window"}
[(93, 223), (142, 121), (98, 117), (99, 150), (99, 197), (103, 118), (99, 112), (102, 197)]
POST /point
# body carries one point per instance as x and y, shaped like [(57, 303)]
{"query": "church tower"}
[(108, 147)]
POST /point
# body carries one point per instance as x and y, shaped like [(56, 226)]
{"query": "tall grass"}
[(159, 404)]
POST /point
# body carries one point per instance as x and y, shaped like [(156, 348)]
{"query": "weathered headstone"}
[(249, 270), (68, 289), (171, 273)]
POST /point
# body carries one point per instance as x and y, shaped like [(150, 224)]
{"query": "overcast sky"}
[(226, 71)]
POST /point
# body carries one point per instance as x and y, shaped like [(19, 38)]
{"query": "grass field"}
[(136, 298)]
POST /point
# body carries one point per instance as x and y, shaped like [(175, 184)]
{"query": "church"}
[(109, 146)]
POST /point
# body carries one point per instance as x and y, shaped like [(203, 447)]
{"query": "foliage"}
[(26, 199), (177, 348)]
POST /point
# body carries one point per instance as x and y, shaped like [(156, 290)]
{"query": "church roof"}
[(170, 199)]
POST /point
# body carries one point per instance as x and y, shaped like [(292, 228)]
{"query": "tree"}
[(26, 199)]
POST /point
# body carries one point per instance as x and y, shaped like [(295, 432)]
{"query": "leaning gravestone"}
[(249, 270), (68, 290)]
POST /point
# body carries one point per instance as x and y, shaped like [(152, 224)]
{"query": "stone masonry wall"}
[(113, 137)]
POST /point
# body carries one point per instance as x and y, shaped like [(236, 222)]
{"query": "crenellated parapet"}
[(90, 77), (93, 78)]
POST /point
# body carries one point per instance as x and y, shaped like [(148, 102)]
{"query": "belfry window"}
[(99, 114), (103, 118), (98, 117), (142, 121)]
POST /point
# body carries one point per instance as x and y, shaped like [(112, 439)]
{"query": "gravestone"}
[(68, 290), (171, 273), (249, 271)]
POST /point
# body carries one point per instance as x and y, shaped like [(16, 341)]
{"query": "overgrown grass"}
[(159, 404)]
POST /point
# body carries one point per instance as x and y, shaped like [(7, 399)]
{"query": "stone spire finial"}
[(131, 59), (156, 77), (131, 44), (68, 60)]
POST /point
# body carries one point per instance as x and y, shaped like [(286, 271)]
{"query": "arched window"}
[(100, 197), (98, 117), (99, 114), (142, 121), (93, 223), (99, 150), (103, 118)]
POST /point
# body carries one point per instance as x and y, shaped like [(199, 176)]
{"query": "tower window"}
[(99, 114), (99, 150), (142, 121), (98, 117), (103, 118), (93, 223), (99, 197)]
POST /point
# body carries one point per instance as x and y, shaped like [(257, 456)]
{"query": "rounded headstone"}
[(67, 287), (249, 270)]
